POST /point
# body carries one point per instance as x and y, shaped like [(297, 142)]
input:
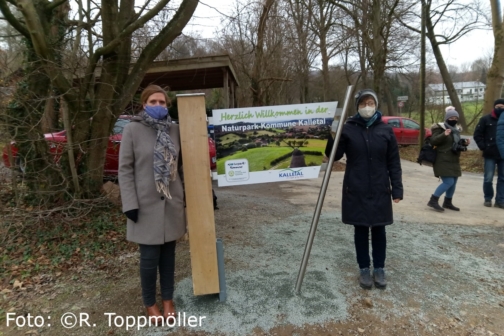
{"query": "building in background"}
[(466, 91)]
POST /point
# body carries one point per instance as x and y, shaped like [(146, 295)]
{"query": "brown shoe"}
[(169, 310), (154, 315)]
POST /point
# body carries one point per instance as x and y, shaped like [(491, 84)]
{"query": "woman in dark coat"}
[(373, 178), (150, 178), (446, 138)]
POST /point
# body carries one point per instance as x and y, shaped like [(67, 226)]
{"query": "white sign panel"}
[(271, 143), (402, 98), (237, 170)]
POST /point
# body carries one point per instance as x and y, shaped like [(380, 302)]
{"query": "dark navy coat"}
[(500, 134), (485, 136), (373, 175)]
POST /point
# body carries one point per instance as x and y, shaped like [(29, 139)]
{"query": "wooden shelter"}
[(195, 73)]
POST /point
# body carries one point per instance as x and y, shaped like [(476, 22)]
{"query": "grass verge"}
[(470, 161)]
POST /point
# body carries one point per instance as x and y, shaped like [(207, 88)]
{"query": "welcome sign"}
[(271, 143)]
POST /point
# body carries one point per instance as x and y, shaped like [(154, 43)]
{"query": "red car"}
[(58, 139), (407, 131)]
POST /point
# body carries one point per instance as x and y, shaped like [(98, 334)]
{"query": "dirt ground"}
[(445, 271)]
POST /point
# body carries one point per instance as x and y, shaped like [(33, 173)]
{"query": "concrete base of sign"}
[(222, 274)]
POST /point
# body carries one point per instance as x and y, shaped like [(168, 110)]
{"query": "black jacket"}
[(485, 134), (373, 175)]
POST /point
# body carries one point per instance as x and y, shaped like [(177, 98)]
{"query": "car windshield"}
[(394, 123), (119, 126), (410, 124)]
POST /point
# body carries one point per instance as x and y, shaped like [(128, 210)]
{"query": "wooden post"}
[(233, 103), (226, 87), (198, 191)]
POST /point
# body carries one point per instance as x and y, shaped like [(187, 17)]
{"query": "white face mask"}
[(367, 112)]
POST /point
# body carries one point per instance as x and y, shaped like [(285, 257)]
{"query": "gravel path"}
[(444, 278)]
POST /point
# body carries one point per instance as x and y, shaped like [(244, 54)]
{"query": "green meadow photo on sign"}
[(272, 139)]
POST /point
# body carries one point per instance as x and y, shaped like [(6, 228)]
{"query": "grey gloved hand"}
[(132, 214)]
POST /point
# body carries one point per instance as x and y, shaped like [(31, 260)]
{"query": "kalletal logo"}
[(291, 173), (231, 173)]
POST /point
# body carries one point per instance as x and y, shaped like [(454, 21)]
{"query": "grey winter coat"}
[(160, 220), (447, 162)]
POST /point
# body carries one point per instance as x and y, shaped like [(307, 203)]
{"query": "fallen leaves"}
[(5, 291), (55, 244), (17, 284)]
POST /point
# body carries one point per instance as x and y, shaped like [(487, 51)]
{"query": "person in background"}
[(373, 178), (150, 179), (446, 138), (500, 139), (485, 136)]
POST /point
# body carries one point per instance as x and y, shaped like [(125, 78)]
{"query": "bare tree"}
[(455, 19), (325, 17), (302, 41), (255, 38), (495, 75), (374, 28), (256, 76), (108, 53)]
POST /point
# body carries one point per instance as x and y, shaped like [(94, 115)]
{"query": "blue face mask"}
[(156, 111), (498, 111)]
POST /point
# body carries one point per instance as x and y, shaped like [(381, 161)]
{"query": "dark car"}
[(57, 141), (406, 130)]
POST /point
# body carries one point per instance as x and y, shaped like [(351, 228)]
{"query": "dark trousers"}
[(152, 258), (378, 242)]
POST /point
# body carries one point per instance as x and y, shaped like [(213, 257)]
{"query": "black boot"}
[(447, 204), (434, 203)]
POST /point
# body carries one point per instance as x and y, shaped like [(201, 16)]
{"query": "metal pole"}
[(322, 194)]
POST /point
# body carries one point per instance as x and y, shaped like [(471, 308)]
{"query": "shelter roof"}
[(195, 73)]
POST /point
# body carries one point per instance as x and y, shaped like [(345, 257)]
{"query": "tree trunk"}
[(26, 113), (390, 101), (379, 50), (255, 85), (495, 75), (49, 120), (325, 62), (443, 69)]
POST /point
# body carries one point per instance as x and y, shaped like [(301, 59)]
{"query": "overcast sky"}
[(466, 50)]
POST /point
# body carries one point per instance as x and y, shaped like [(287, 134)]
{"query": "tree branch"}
[(156, 45), (131, 28), (51, 5), (4, 8), (142, 9), (44, 52), (81, 24)]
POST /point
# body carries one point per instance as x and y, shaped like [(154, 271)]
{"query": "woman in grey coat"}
[(150, 178)]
